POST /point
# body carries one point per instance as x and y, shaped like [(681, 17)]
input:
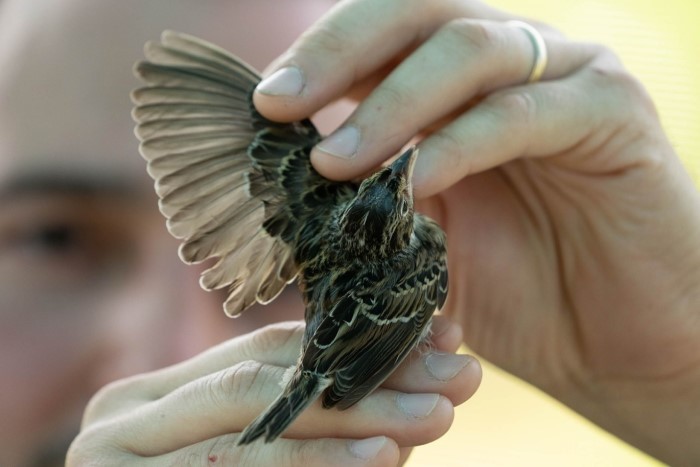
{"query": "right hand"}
[(572, 228), (192, 413)]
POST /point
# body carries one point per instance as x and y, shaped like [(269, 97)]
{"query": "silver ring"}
[(539, 47)]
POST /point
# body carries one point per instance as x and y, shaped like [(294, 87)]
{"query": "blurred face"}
[(91, 288)]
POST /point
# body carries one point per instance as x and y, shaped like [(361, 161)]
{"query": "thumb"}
[(325, 61)]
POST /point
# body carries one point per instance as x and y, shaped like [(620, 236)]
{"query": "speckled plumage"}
[(238, 187)]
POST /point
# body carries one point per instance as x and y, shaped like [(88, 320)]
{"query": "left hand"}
[(193, 412), (573, 230)]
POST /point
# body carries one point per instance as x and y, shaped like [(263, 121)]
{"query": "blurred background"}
[(507, 422)]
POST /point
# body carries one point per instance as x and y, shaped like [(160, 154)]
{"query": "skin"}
[(573, 229), (92, 291)]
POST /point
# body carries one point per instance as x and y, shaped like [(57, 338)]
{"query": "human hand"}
[(192, 413), (573, 229)]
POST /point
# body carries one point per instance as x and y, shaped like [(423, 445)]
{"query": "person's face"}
[(91, 288)]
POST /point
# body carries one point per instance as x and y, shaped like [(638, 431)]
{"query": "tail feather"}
[(302, 390)]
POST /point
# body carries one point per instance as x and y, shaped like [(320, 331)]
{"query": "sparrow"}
[(240, 188)]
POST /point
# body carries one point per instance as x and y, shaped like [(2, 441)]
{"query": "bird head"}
[(379, 221)]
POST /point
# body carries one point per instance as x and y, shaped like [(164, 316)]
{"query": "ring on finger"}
[(539, 47)]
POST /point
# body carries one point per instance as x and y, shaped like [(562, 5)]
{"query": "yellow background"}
[(508, 423)]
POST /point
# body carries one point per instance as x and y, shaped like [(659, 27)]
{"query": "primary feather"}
[(240, 188)]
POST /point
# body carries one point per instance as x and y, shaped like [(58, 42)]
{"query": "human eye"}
[(58, 244), (47, 240)]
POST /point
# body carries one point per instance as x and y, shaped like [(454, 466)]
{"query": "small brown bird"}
[(238, 187)]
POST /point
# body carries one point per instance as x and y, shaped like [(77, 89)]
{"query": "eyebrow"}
[(68, 184)]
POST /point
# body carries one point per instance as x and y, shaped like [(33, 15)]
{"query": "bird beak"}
[(403, 166)]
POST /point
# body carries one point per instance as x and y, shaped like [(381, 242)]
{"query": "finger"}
[(572, 116), (404, 453), (222, 450), (227, 401), (465, 59), (445, 335), (353, 40), (456, 377), (376, 451), (277, 344)]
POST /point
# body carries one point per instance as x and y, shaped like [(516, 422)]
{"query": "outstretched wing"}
[(230, 181), (373, 327)]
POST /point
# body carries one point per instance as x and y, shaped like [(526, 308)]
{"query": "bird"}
[(241, 189)]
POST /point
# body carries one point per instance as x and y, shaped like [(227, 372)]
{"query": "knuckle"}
[(451, 147), (608, 73), (547, 30), (606, 58), (274, 336), (99, 405), (91, 448), (392, 96), (477, 35), (326, 39), (448, 143), (519, 110), (81, 452), (111, 396), (235, 384), (518, 106)]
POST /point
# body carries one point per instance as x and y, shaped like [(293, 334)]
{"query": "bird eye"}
[(404, 208)]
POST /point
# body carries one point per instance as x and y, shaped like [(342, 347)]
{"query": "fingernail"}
[(445, 366), (417, 405), (287, 81), (367, 448), (342, 143)]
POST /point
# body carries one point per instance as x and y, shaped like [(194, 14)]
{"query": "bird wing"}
[(372, 328), (230, 182)]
